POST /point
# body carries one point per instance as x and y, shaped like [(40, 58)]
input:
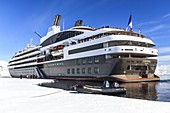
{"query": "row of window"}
[(25, 62), (60, 36), (134, 61), (89, 70), (25, 71), (152, 62), (119, 33), (129, 43), (144, 68), (26, 52), (23, 58), (87, 48), (56, 64), (110, 44), (88, 60)]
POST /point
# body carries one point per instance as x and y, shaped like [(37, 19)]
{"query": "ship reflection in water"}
[(143, 90), (155, 91)]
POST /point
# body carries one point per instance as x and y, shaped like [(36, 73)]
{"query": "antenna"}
[(38, 34), (31, 41), (63, 24)]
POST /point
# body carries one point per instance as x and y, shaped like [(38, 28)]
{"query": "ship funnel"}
[(78, 23), (57, 20)]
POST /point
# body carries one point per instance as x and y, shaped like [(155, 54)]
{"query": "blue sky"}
[(19, 19)]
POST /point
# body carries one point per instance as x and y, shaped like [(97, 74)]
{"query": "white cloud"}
[(167, 15), (147, 23), (164, 58), (159, 20), (164, 50), (155, 28)]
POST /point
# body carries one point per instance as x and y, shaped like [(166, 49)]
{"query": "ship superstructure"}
[(85, 53)]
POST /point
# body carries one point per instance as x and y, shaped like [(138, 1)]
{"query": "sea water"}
[(155, 91), (163, 89)]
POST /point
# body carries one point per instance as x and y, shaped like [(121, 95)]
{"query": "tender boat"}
[(100, 90)]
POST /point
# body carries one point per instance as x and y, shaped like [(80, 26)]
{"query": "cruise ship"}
[(85, 53)]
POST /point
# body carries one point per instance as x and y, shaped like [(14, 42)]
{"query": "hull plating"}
[(90, 69)]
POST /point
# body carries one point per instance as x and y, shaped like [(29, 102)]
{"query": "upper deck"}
[(85, 33)]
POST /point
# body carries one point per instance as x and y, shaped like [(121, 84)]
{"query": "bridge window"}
[(60, 36)]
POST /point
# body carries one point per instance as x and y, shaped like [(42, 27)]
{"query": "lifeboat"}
[(57, 48), (57, 53)]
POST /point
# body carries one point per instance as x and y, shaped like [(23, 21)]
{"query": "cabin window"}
[(89, 71), (78, 61), (96, 59), (68, 71), (129, 67), (78, 70), (90, 60), (96, 70), (139, 61), (83, 70), (128, 61), (73, 71), (84, 60), (132, 61)]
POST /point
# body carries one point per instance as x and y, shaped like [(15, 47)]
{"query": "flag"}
[(130, 23), (139, 31)]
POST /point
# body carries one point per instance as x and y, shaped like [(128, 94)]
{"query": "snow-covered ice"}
[(25, 96), (162, 69), (3, 69)]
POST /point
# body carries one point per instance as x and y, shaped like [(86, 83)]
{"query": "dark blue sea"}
[(155, 91)]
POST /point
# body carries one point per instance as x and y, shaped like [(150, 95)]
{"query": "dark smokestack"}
[(57, 20), (78, 23)]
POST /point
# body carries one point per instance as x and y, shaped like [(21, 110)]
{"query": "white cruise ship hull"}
[(114, 69)]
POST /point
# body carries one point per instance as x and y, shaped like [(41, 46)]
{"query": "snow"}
[(3, 69), (25, 96)]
